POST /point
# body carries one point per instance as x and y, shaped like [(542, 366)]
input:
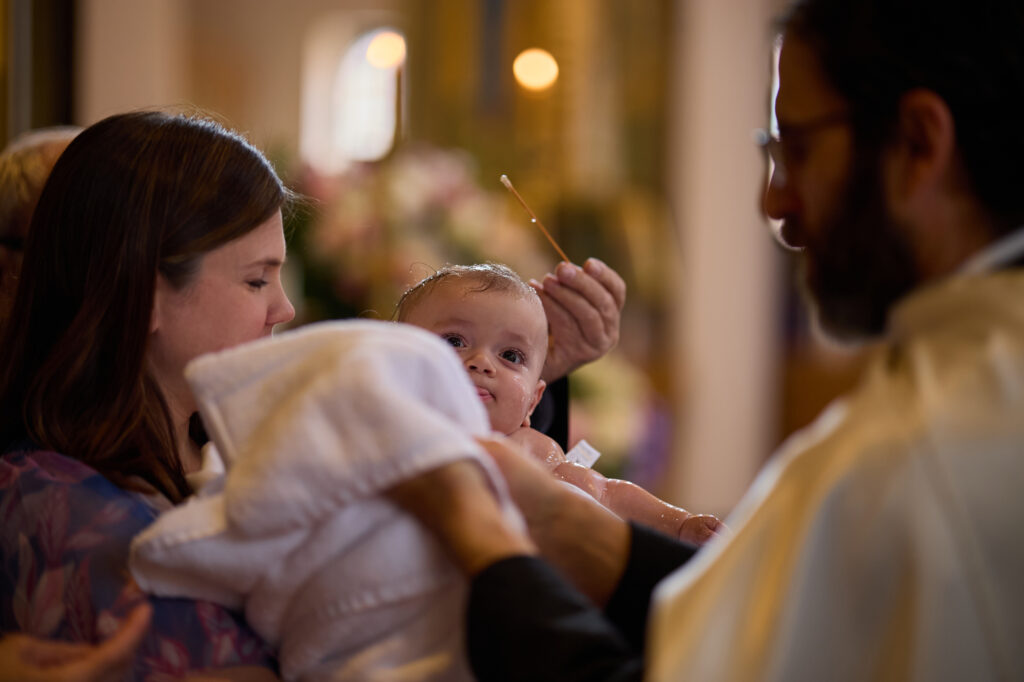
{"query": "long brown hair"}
[(134, 195)]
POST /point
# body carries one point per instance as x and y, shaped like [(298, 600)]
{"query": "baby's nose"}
[(478, 362)]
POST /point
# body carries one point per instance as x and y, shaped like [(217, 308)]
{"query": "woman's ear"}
[(541, 385)]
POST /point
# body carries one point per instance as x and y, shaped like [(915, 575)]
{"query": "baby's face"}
[(502, 339)]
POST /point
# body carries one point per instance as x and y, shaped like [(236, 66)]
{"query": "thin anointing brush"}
[(533, 219)]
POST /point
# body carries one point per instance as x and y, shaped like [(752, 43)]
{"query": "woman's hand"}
[(584, 307), (24, 658)]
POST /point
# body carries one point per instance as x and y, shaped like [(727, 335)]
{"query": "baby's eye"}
[(454, 340), (513, 356)]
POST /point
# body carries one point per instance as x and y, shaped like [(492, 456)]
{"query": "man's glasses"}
[(789, 147)]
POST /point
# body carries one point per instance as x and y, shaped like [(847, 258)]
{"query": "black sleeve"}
[(652, 556), (526, 622), (551, 416)]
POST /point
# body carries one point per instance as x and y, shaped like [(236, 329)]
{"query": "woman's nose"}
[(282, 310)]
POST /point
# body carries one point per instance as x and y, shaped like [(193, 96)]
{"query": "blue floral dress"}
[(64, 537)]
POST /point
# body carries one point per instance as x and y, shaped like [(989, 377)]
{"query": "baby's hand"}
[(540, 447), (699, 528)]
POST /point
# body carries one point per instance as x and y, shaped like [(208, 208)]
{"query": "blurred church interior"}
[(627, 126)]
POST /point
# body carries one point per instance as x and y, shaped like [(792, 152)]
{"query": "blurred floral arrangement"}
[(370, 232), (381, 226)]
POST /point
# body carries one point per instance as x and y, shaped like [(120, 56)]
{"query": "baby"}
[(313, 426), (496, 324)]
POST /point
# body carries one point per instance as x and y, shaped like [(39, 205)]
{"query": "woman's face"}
[(235, 297)]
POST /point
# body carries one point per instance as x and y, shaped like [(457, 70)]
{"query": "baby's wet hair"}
[(485, 276)]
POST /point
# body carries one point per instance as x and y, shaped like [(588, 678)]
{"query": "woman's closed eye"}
[(257, 284), (516, 357)]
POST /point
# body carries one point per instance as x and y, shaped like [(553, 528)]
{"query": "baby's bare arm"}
[(632, 502), (628, 500)]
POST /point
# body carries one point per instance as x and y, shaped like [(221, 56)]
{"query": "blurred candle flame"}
[(535, 69), (386, 50)]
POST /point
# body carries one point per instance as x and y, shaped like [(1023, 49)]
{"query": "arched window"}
[(352, 91)]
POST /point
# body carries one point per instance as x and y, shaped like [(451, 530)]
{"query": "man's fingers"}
[(606, 291), (591, 293), (583, 307), (608, 278), (560, 321), (596, 317)]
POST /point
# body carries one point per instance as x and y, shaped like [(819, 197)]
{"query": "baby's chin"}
[(504, 426)]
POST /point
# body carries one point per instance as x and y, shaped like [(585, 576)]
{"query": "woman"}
[(157, 238)]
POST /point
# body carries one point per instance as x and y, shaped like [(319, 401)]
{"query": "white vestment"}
[(313, 425), (884, 542)]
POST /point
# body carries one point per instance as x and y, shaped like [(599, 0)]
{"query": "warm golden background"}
[(640, 153)]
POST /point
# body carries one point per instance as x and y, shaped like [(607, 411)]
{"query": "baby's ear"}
[(541, 385)]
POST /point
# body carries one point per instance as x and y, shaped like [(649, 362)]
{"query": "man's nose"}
[(779, 200)]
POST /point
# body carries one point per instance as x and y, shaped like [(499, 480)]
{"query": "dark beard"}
[(862, 264)]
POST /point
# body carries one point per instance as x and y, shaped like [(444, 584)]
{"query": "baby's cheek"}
[(523, 394)]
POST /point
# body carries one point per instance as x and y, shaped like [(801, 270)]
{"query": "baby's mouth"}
[(484, 394)]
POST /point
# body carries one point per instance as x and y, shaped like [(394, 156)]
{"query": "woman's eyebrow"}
[(267, 262)]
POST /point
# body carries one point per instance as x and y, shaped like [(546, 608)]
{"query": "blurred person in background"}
[(24, 167)]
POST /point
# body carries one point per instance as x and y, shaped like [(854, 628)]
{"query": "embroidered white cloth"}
[(312, 425)]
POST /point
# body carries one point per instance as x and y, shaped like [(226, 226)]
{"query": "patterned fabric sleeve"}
[(64, 537)]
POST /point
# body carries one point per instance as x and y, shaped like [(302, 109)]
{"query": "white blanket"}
[(313, 425)]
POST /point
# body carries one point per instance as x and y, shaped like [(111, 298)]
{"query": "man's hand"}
[(584, 307), (456, 503), (27, 659), (586, 542)]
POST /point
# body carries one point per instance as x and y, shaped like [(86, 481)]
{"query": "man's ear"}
[(541, 385), (924, 156)]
